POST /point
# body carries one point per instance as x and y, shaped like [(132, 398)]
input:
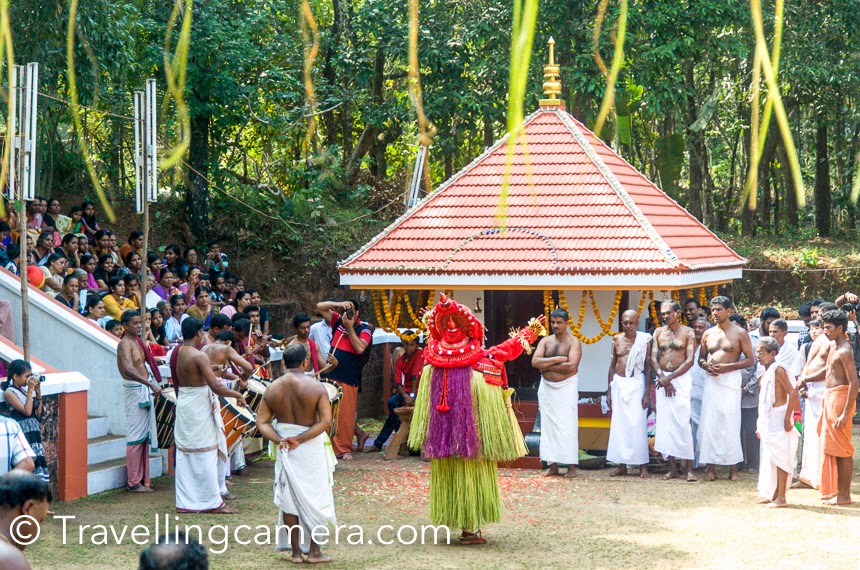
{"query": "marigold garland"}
[(655, 318), (606, 326), (387, 321), (703, 297), (715, 291)]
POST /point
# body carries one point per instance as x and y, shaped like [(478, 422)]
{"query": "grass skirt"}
[(464, 493)]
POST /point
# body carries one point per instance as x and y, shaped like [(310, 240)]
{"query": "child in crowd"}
[(76, 213), (12, 254), (114, 327), (216, 262), (90, 224)]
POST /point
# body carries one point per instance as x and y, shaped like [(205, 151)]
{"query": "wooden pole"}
[(145, 281), (22, 265)]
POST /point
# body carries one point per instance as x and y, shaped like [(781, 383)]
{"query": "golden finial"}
[(551, 83)]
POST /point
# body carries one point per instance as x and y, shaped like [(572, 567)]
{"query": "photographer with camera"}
[(24, 396), (350, 339)]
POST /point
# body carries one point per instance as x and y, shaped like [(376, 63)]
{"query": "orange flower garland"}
[(703, 297), (655, 318)]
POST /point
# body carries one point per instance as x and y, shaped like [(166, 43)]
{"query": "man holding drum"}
[(131, 354), (229, 366), (201, 448)]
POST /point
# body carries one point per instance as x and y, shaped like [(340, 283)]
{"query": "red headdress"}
[(456, 337)]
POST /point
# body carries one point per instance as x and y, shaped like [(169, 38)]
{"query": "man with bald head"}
[(629, 396), (672, 354)]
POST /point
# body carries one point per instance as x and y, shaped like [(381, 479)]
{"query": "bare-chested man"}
[(305, 465), (233, 370), (201, 449), (726, 350), (837, 412), (672, 355), (140, 386), (629, 397), (557, 357), (812, 386)]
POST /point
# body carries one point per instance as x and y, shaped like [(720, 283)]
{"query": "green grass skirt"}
[(464, 493), (497, 428)]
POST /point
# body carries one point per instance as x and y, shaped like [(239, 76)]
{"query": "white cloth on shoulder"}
[(628, 429), (673, 433), (720, 424), (304, 478), (778, 447), (638, 353), (201, 450), (558, 403), (813, 455)]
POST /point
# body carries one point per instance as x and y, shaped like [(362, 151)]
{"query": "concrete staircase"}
[(106, 463)]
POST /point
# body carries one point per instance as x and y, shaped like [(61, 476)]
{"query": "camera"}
[(41, 378), (204, 277), (350, 314)]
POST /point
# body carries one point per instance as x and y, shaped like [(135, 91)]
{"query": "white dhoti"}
[(778, 450), (813, 456), (138, 412), (698, 375), (778, 447), (674, 433), (304, 478), (628, 430), (558, 403), (201, 450), (720, 425)]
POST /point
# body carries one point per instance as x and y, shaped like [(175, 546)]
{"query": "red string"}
[(442, 406)]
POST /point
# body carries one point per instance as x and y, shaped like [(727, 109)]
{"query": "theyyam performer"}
[(463, 418), (629, 396)]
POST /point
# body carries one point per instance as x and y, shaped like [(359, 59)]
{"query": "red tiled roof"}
[(574, 207)]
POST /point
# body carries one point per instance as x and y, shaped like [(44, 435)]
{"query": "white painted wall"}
[(67, 341), (469, 297)]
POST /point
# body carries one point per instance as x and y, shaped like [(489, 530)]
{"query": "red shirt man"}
[(407, 371)]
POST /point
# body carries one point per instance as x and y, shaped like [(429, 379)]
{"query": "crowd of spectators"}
[(84, 267)]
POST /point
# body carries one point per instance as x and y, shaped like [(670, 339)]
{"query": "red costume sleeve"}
[(508, 350)]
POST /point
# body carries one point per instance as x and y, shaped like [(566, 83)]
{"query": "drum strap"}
[(315, 359)]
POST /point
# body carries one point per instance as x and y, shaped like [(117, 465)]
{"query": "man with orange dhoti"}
[(840, 400)]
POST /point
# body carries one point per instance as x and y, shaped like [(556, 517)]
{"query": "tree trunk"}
[(696, 149), (764, 180), (488, 130), (368, 136), (823, 199), (790, 195), (330, 119), (197, 194)]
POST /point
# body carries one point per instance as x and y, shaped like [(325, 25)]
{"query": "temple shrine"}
[(558, 218)]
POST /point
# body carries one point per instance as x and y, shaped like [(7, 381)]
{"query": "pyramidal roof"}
[(578, 215)]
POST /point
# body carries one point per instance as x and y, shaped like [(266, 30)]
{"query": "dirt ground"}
[(593, 521)]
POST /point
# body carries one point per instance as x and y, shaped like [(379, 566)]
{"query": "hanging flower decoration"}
[(715, 291), (655, 318), (606, 326), (703, 297)]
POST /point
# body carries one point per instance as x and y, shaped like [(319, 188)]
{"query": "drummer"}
[(313, 363), (226, 363)]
